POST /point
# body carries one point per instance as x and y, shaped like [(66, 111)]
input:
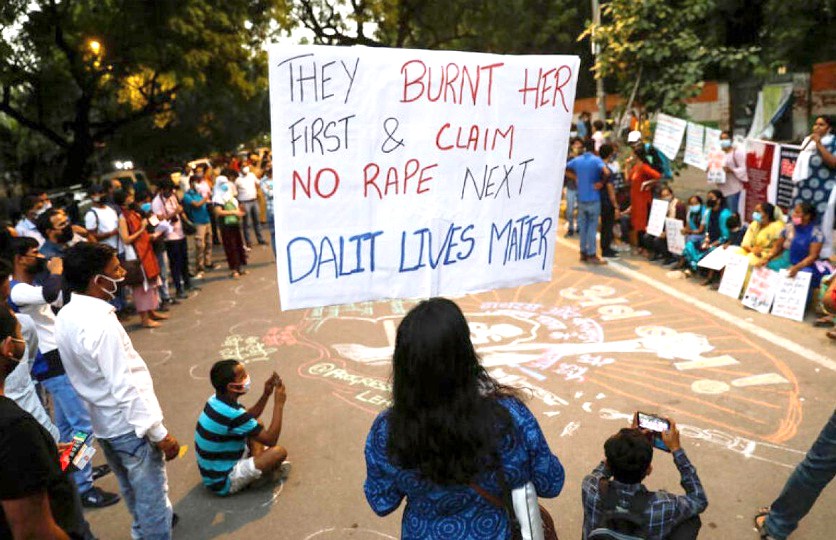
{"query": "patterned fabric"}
[(817, 187), (458, 512), (220, 439), (664, 511)]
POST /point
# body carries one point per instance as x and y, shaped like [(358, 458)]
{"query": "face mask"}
[(756, 216), (244, 386), (668, 198), (113, 282), (38, 266), (695, 208), (224, 187), (796, 220), (47, 206), (710, 203), (145, 207), (65, 235), (725, 144), (40, 211), (96, 199)]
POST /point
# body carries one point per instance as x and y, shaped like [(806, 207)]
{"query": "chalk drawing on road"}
[(343, 532)]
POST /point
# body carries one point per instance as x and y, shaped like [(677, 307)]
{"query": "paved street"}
[(593, 346)]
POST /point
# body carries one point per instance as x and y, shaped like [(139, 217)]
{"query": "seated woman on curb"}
[(716, 231), (454, 441), (763, 233), (694, 229)]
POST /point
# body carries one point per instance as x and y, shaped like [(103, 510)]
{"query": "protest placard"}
[(406, 173), (784, 188), (714, 156), (674, 236), (669, 134), (791, 295), (760, 164), (716, 259), (695, 146), (656, 220), (761, 290), (734, 275)]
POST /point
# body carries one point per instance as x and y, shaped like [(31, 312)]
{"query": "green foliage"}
[(151, 55), (663, 42)]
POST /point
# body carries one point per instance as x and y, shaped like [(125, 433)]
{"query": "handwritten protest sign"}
[(656, 220), (408, 173), (716, 259), (734, 275), (791, 295), (695, 147), (715, 158), (761, 290), (669, 134), (674, 236)]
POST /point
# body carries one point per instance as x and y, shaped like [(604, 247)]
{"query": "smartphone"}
[(79, 453), (656, 425), (153, 220)]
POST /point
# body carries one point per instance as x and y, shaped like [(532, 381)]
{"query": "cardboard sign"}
[(734, 275), (695, 146), (714, 156), (784, 188), (669, 134), (761, 290), (716, 259), (407, 173), (656, 220), (791, 295), (674, 236), (759, 167)]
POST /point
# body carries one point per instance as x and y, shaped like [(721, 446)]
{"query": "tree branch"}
[(40, 127), (153, 106)]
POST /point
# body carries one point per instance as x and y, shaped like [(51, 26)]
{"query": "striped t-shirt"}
[(220, 439)]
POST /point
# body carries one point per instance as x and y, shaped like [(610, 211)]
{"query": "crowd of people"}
[(614, 196)]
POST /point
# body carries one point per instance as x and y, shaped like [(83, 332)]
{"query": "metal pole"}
[(596, 49)]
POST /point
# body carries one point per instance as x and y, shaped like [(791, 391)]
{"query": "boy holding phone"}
[(660, 515)]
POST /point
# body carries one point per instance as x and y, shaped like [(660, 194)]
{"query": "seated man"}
[(225, 430), (628, 456)]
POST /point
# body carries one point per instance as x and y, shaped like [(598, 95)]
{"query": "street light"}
[(95, 46)]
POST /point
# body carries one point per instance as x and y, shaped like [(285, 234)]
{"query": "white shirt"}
[(246, 187), (598, 137), (25, 227), (19, 386), (106, 371), (30, 301), (736, 161), (166, 210), (103, 221)]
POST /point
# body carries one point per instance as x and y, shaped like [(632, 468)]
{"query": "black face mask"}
[(38, 266), (65, 235)]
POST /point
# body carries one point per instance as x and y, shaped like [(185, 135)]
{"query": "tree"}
[(660, 50), (77, 72)]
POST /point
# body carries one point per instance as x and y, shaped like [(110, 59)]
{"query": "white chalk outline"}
[(762, 333)]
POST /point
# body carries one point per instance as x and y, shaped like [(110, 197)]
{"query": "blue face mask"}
[(695, 208), (756, 216), (146, 207), (725, 144), (224, 187)]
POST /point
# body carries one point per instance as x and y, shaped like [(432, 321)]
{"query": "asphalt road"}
[(593, 345)]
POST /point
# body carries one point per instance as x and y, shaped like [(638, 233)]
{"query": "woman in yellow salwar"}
[(763, 233)]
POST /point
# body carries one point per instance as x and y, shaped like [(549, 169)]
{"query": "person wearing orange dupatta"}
[(132, 229)]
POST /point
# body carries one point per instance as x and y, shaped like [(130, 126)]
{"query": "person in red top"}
[(642, 178), (132, 228)]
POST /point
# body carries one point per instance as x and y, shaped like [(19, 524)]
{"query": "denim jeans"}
[(588, 214), (164, 294), (178, 259), (70, 416), (805, 484), (733, 202), (251, 216), (571, 203), (139, 467)]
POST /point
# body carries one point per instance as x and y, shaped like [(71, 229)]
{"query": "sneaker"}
[(182, 295), (610, 254), (101, 470), (593, 259), (199, 275), (98, 498)]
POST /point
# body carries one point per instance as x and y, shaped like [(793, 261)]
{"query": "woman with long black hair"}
[(454, 441)]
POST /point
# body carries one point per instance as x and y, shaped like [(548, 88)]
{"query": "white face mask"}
[(114, 282), (244, 386)]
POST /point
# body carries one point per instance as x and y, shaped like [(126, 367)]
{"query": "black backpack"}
[(621, 523)]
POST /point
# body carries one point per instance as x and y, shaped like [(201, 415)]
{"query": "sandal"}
[(151, 324), (235, 275), (831, 334), (824, 322), (760, 519)]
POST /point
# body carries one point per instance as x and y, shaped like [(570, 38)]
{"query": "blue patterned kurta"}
[(817, 187), (458, 512)]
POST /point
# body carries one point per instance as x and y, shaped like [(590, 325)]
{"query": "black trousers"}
[(178, 260), (607, 223)]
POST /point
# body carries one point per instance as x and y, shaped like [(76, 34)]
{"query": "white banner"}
[(406, 173), (791, 295), (695, 146), (674, 236), (656, 220), (734, 275), (669, 134), (761, 289)]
